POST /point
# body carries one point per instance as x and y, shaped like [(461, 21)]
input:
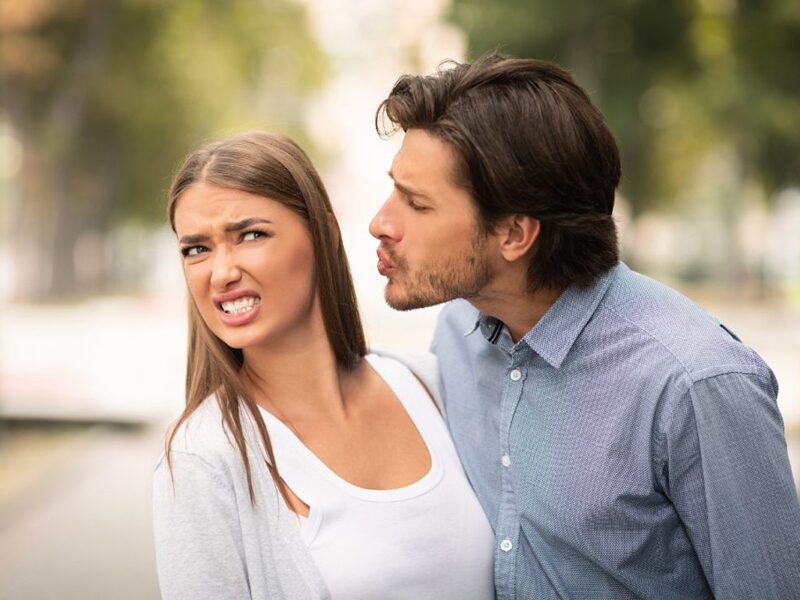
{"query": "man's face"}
[(432, 249)]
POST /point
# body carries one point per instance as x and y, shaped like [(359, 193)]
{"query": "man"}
[(623, 442)]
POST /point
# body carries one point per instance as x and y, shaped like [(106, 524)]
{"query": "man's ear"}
[(517, 235)]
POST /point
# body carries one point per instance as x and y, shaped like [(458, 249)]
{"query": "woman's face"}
[(248, 263)]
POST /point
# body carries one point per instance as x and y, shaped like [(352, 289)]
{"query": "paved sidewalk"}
[(83, 531)]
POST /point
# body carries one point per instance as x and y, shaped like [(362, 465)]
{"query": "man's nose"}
[(225, 269), (384, 224)]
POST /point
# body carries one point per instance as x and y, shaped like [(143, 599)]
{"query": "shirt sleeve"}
[(199, 553), (730, 481)]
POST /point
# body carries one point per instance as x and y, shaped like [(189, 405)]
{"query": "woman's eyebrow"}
[(230, 227), (244, 224), (193, 239)]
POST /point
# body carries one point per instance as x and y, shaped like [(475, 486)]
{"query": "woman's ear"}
[(516, 235)]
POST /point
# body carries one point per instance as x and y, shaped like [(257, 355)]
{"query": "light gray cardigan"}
[(211, 542)]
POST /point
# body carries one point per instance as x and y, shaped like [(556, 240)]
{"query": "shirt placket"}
[(507, 531)]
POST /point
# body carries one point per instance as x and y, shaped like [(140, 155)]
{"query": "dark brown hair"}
[(529, 141), (274, 167)]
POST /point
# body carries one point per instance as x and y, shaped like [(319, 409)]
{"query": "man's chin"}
[(398, 300)]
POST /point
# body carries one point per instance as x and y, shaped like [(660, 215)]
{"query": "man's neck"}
[(518, 309)]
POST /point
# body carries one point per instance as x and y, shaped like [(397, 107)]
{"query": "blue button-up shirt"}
[(629, 446)]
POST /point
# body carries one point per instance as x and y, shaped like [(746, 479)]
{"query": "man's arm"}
[(729, 478)]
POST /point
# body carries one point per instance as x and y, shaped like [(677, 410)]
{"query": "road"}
[(83, 529)]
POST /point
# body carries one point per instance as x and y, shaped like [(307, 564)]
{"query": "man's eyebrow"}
[(404, 189), (230, 227)]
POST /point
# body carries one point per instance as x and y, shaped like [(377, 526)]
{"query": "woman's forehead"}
[(208, 203)]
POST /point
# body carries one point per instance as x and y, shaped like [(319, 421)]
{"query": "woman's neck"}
[(297, 381)]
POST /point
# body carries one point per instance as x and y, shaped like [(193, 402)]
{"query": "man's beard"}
[(460, 276)]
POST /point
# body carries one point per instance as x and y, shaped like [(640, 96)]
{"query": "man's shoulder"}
[(689, 337), (456, 317)]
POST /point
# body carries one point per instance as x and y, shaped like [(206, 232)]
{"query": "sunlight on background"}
[(101, 100)]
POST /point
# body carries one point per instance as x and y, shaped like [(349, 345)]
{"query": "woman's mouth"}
[(239, 311), (240, 305)]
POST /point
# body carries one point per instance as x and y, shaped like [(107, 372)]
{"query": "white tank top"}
[(428, 540)]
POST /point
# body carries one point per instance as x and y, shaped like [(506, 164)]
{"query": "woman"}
[(302, 467)]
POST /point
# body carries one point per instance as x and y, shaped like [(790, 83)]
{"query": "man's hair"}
[(528, 141)]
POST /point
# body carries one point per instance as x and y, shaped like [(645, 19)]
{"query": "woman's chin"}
[(238, 340)]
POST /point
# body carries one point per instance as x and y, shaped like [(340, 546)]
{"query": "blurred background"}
[(100, 99)]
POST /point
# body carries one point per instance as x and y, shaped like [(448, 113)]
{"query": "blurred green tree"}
[(616, 49), (107, 95), (676, 80)]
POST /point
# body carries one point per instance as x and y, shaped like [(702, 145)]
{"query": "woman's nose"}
[(225, 269)]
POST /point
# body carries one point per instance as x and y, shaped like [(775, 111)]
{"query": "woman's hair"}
[(274, 167), (528, 141)]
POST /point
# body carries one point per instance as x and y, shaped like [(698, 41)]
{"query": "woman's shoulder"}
[(203, 434), (423, 365)]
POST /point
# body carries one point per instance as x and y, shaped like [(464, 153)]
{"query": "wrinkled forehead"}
[(209, 206), (426, 160)]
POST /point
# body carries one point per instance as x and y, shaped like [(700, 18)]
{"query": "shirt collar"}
[(488, 325), (556, 332)]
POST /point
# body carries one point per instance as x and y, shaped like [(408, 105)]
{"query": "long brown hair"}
[(274, 167)]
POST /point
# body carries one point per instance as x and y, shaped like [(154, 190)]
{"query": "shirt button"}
[(515, 375), (506, 545), (506, 460)]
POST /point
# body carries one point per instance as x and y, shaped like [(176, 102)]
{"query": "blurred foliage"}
[(677, 80), (106, 96)]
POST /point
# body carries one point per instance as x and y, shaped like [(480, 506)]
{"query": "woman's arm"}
[(198, 540)]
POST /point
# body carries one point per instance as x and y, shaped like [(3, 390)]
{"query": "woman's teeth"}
[(240, 305)]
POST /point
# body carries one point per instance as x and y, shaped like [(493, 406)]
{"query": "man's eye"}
[(417, 207), (193, 250)]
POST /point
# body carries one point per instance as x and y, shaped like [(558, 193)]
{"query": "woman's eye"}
[(253, 235), (193, 250)]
